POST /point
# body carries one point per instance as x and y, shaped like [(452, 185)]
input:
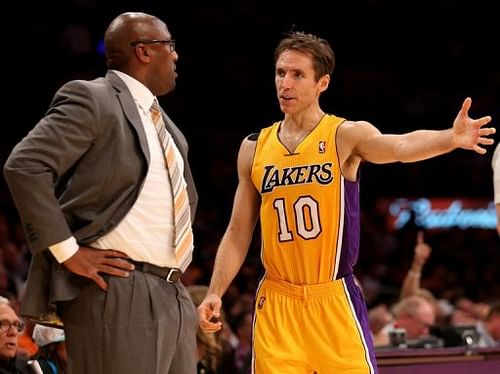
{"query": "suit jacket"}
[(78, 172)]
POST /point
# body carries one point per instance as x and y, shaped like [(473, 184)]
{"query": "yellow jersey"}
[(309, 213)]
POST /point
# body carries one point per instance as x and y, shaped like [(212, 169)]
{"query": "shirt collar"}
[(141, 94)]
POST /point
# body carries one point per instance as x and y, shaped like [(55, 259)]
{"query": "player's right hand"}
[(209, 314)]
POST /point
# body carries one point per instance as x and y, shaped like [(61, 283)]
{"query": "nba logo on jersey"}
[(322, 146), (261, 303)]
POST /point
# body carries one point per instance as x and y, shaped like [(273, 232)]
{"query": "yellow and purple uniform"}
[(309, 314)]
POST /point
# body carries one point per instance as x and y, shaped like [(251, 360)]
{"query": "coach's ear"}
[(141, 52)]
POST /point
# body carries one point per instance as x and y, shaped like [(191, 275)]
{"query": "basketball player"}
[(302, 174)]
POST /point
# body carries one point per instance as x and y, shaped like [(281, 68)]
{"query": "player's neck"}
[(294, 129), (303, 121)]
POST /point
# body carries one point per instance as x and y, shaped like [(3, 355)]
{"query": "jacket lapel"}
[(130, 110)]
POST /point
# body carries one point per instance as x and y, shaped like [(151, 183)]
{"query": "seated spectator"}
[(412, 282), (26, 346), (378, 317), (52, 349), (414, 314), (10, 327), (468, 312), (489, 328)]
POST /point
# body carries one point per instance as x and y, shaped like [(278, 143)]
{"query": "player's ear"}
[(324, 82)]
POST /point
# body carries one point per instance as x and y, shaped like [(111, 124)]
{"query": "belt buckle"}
[(173, 275)]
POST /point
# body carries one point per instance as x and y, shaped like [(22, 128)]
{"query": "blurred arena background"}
[(400, 65)]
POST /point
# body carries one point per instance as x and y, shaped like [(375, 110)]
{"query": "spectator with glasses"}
[(10, 328), (93, 188)]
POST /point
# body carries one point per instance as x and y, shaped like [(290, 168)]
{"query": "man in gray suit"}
[(93, 192)]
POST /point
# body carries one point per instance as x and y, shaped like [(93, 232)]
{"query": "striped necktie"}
[(183, 234)]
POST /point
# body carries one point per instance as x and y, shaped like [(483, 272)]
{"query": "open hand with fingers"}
[(89, 262), (470, 133)]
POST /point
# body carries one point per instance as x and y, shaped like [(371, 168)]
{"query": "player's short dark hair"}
[(319, 49)]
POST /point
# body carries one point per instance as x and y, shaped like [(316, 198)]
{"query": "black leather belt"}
[(171, 275)]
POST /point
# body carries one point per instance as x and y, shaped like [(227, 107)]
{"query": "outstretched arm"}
[(235, 242), (368, 143), (469, 133)]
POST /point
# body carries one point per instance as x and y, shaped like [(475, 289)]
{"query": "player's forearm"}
[(230, 256), (424, 144)]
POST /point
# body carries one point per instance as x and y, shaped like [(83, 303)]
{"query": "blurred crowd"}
[(410, 286)]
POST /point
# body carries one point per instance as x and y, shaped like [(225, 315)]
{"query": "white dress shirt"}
[(146, 232)]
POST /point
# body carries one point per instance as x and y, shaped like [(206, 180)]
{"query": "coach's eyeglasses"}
[(170, 43), (5, 325)]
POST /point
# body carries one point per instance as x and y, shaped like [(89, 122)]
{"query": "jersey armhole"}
[(253, 136)]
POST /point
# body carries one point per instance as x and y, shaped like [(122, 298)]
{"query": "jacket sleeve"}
[(39, 162)]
